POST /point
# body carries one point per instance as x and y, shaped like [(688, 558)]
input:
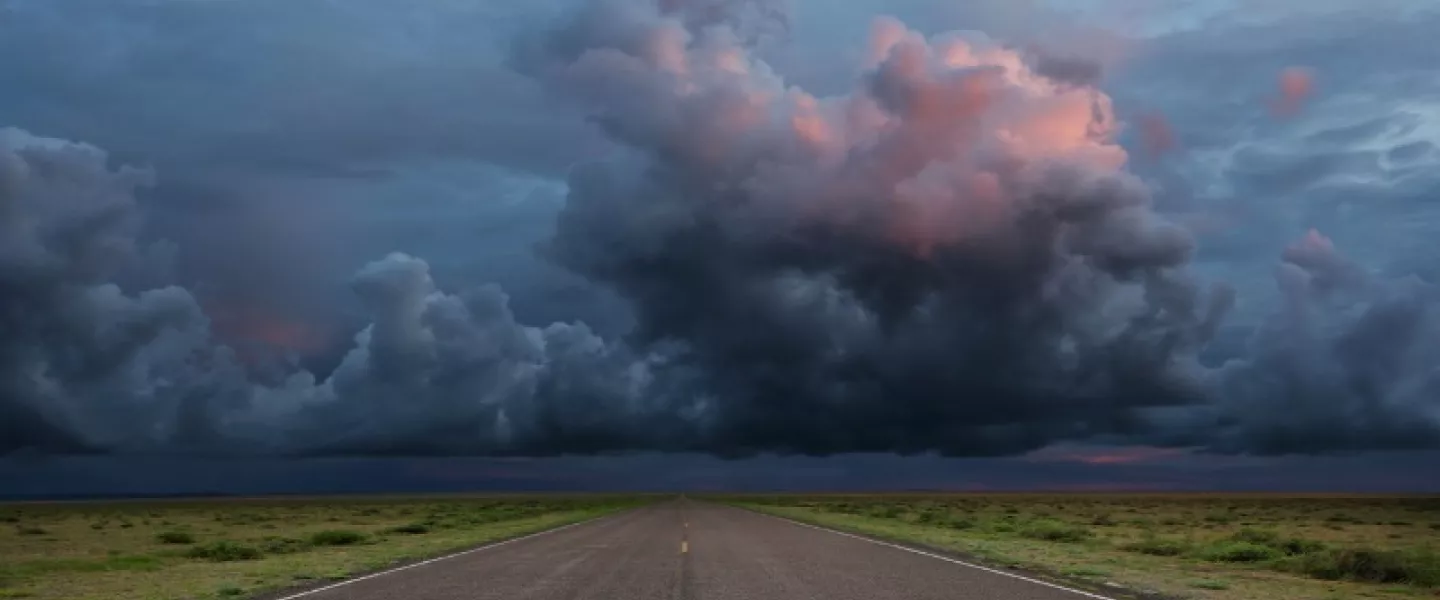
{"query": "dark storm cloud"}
[(88, 365), (828, 321), (950, 257), (1079, 469)]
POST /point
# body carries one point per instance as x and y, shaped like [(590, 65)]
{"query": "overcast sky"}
[(904, 243)]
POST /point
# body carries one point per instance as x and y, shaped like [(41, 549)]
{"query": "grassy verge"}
[(1199, 546), (229, 548)]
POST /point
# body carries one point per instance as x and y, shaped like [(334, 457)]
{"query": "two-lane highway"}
[(685, 550)]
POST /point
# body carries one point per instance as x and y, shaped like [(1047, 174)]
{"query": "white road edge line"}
[(938, 556), (440, 558)]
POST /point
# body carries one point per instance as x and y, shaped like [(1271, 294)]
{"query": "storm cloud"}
[(950, 257)]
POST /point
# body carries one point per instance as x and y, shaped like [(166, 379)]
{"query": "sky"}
[(315, 245)]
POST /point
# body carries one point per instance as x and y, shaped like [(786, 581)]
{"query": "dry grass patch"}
[(1203, 546), (234, 548)]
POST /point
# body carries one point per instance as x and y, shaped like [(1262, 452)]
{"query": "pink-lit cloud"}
[(1295, 86)]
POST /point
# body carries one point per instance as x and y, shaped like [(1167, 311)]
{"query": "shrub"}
[(1054, 531), (954, 522), (1240, 552), (30, 531), (283, 545), (336, 537), (1373, 566), (174, 537), (1289, 546), (1156, 546), (412, 529), (223, 551), (1256, 536), (1297, 546)]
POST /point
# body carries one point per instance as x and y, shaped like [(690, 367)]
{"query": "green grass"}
[(207, 549), (1200, 546)]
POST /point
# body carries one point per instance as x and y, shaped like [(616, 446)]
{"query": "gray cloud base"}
[(950, 258)]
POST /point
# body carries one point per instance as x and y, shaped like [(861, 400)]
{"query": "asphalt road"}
[(685, 550)]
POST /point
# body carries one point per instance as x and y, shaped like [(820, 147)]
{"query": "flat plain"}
[(1202, 546), (236, 548)]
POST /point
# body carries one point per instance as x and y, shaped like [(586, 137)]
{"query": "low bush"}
[(956, 522), (1297, 546), (336, 537), (1054, 531), (283, 545), (1369, 565), (411, 529), (1256, 536), (1286, 546), (174, 537), (223, 551), (1157, 546), (1246, 552)]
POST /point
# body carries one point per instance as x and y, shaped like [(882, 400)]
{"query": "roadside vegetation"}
[(1211, 547), (200, 549)]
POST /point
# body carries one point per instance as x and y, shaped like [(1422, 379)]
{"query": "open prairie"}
[(1214, 547), (173, 550)]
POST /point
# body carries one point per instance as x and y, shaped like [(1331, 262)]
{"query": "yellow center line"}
[(684, 547)]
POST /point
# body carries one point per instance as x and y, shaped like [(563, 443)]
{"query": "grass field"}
[(175, 550), (1212, 547)]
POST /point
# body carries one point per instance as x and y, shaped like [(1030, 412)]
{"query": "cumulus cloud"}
[(86, 365), (950, 257)]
